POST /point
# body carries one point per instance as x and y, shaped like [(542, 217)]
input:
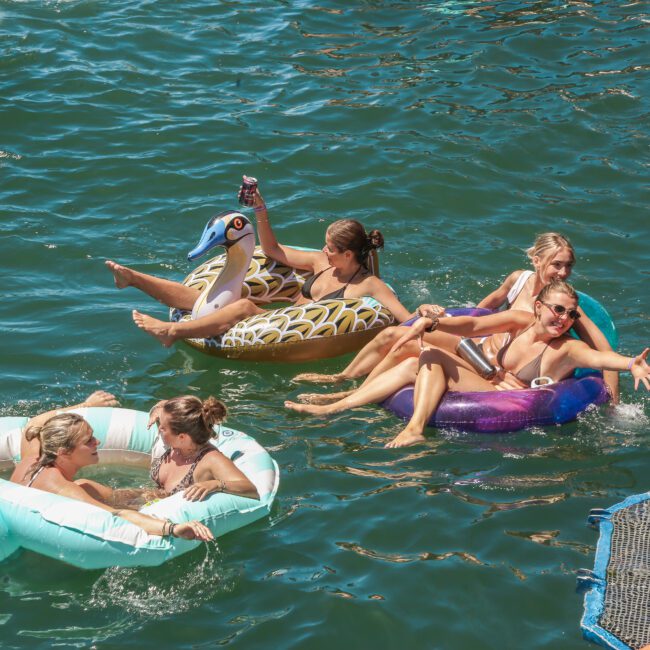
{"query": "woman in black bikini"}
[(529, 346), (339, 271)]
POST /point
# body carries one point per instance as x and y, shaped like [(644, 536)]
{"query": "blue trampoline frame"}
[(595, 596)]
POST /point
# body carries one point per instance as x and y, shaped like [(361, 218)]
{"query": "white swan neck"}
[(226, 287)]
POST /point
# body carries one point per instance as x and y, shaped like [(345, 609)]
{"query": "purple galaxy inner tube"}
[(508, 410), (513, 410)]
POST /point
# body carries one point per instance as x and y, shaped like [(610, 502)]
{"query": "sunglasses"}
[(558, 310)]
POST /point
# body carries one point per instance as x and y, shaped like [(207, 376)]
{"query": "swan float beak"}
[(224, 229)]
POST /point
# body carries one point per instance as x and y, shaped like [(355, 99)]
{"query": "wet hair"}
[(188, 414), (350, 235), (547, 243), (557, 285), (61, 432)]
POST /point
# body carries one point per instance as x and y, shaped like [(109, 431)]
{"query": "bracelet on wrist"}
[(172, 527), (260, 208), (629, 365), (434, 324)]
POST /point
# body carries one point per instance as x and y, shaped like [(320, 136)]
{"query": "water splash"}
[(157, 592)]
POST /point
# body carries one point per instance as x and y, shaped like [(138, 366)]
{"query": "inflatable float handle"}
[(586, 580), (596, 515)]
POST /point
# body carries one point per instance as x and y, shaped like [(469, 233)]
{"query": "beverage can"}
[(247, 191)]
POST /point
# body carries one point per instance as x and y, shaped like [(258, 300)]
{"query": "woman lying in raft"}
[(552, 257), (339, 271), (66, 444), (529, 345), (191, 463)]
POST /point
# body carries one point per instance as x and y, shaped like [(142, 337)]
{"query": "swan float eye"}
[(237, 223)]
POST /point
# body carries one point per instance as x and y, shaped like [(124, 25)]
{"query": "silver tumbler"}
[(468, 350)]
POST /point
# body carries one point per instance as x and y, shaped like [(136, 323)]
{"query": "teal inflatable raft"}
[(91, 538)]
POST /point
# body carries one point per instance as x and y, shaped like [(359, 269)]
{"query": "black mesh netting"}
[(626, 612)]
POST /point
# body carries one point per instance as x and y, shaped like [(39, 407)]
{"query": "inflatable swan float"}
[(316, 330)]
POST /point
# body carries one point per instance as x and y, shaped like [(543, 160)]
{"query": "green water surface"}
[(461, 130)]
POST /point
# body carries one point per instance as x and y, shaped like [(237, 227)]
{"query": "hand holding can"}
[(247, 191)]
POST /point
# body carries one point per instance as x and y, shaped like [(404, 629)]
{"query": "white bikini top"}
[(518, 286), (31, 480)]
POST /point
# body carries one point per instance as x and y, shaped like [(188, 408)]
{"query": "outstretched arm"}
[(297, 259), (151, 525), (582, 356), (504, 321), (382, 292), (591, 334)]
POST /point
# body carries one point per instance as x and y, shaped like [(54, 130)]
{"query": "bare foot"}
[(323, 398), (406, 438), (318, 378), (122, 275), (309, 409), (157, 328)]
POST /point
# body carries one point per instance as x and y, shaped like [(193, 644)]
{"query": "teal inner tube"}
[(91, 538)]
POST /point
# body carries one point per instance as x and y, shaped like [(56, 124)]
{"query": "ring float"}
[(513, 410), (91, 538)]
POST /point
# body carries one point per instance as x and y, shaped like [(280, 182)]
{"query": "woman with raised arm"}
[(552, 257), (339, 271), (528, 345)]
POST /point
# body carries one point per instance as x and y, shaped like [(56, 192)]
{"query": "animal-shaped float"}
[(317, 330)]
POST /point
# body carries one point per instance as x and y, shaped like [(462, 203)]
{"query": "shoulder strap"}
[(518, 286)]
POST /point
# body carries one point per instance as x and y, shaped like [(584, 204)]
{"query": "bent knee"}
[(389, 335)]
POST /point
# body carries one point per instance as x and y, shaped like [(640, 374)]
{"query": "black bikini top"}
[(334, 295)]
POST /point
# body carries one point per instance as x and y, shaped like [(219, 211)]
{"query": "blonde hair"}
[(188, 414), (561, 286), (549, 242), (62, 432)]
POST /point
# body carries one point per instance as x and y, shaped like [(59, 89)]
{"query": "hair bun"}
[(375, 240), (214, 411)]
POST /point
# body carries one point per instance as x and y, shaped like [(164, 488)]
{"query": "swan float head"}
[(225, 229), (233, 231)]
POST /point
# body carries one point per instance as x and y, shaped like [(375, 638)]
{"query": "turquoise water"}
[(460, 129)]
